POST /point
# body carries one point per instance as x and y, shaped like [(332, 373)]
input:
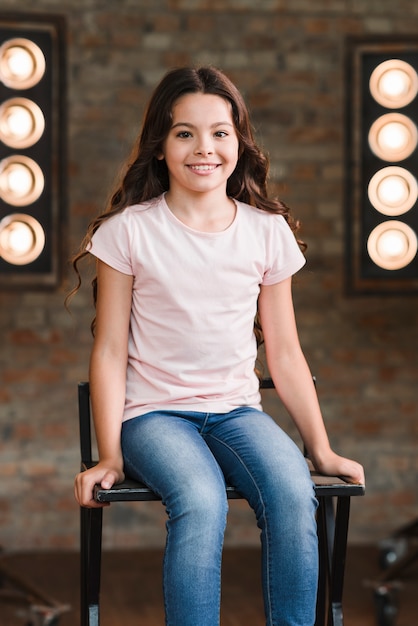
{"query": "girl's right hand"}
[(101, 474)]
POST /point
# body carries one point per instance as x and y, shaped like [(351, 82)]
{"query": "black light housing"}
[(381, 166), (32, 149)]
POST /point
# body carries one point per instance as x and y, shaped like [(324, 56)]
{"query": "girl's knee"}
[(300, 491), (292, 495), (202, 502)]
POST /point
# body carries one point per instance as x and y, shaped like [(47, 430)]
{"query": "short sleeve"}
[(283, 255), (111, 244)]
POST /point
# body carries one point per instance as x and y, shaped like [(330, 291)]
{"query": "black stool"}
[(333, 518)]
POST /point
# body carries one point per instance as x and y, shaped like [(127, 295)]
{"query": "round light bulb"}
[(21, 123), (394, 83), (22, 239), (21, 180), (393, 137), (393, 190), (392, 245), (22, 63)]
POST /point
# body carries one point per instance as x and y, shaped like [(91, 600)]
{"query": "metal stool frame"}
[(332, 518)]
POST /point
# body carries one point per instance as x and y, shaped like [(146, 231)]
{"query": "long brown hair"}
[(145, 176)]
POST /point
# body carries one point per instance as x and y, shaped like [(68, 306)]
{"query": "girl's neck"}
[(205, 212)]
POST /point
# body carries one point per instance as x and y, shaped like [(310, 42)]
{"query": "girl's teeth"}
[(203, 167)]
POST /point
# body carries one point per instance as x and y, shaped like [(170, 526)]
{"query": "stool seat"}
[(134, 491)]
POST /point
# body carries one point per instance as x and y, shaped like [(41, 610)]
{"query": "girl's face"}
[(201, 148)]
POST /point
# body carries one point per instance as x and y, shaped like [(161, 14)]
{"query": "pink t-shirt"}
[(191, 340)]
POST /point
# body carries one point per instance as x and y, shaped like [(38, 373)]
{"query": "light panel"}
[(381, 191), (32, 150)]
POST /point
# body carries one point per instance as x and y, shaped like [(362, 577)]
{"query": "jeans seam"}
[(267, 532)]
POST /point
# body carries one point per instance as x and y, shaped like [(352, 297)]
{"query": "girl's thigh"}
[(166, 452), (260, 459)]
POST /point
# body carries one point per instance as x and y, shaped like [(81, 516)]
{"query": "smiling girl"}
[(189, 253)]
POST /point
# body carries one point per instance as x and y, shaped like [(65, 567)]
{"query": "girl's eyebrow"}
[(188, 125)]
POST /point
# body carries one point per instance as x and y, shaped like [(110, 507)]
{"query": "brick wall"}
[(287, 58)]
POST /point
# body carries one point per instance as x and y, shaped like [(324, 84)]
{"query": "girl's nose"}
[(204, 151), (204, 147)]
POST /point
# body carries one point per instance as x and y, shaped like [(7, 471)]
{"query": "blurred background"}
[(304, 70)]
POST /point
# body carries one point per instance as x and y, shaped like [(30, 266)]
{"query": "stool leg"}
[(324, 567), (90, 562), (339, 553), (332, 535)]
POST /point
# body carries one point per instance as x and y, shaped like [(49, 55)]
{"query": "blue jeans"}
[(186, 457)]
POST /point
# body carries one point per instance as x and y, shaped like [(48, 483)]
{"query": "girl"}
[(189, 253)]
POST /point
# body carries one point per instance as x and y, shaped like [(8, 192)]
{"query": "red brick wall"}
[(287, 58)]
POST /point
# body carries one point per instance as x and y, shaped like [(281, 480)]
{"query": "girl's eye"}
[(185, 134)]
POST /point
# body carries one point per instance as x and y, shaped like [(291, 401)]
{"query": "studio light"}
[(381, 198), (22, 63), (22, 239), (22, 123), (32, 149), (394, 83), (392, 245), (393, 190), (393, 137), (21, 180)]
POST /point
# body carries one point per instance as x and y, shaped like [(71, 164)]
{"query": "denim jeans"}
[(186, 457)]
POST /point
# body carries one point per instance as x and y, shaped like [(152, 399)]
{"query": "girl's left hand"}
[(334, 465)]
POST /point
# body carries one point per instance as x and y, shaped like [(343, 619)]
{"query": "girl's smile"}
[(203, 168)]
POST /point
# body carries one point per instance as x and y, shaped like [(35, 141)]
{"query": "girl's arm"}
[(293, 381), (107, 376)]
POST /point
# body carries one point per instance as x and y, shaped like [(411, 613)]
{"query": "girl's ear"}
[(160, 156)]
